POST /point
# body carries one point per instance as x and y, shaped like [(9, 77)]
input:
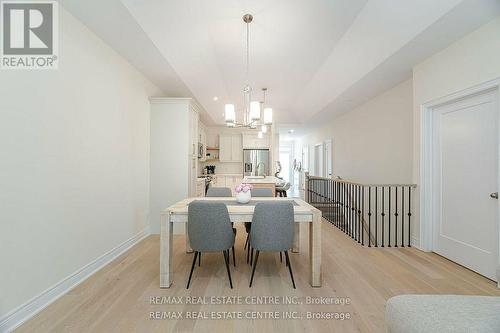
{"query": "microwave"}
[(200, 150)]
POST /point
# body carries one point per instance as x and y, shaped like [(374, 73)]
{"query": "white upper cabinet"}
[(231, 149), (193, 131), (251, 141), (202, 134), (225, 148), (236, 148)]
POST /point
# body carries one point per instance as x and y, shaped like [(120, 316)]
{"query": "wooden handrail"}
[(361, 184)]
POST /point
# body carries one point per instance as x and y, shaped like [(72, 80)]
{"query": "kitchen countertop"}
[(224, 175), (266, 180)]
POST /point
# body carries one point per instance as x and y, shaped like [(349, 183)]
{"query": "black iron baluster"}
[(402, 216), (355, 209), (369, 216), (396, 221), (342, 199), (358, 212), (409, 216), (328, 201), (348, 200), (390, 213), (350, 212), (346, 210), (362, 216), (335, 184), (383, 214)]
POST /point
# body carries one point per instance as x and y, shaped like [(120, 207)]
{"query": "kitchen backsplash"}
[(224, 167)]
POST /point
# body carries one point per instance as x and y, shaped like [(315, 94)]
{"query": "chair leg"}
[(254, 265), (290, 268), (251, 255), (226, 261), (192, 268), (248, 253), (281, 257), (246, 242), (199, 259), (234, 258)]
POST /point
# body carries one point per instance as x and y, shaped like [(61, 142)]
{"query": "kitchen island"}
[(263, 182)]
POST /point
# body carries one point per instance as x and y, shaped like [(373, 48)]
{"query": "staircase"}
[(377, 215)]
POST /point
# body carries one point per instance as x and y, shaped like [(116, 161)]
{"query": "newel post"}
[(306, 187)]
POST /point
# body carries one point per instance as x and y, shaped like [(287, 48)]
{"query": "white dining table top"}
[(300, 208)]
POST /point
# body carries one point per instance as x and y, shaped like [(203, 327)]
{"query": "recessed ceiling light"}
[(215, 98), (291, 131)]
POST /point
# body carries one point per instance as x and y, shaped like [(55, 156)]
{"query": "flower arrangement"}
[(243, 188)]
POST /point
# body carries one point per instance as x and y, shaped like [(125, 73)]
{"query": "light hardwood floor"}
[(117, 298)]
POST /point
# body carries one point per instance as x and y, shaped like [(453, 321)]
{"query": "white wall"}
[(373, 142), (470, 61), (169, 159), (74, 165)]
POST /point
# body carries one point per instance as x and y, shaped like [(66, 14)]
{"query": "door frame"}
[(427, 199), (326, 161)]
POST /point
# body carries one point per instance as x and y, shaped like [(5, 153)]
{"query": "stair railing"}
[(377, 215)]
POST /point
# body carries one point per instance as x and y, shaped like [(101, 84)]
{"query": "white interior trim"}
[(18, 316), (426, 175)]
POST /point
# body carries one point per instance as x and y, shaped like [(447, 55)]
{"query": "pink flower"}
[(243, 188)]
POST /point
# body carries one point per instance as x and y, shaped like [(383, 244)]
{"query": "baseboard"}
[(415, 242), (18, 316)]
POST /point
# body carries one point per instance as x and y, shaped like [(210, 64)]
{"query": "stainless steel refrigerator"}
[(256, 162)]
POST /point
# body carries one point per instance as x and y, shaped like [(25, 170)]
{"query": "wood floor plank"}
[(117, 298)]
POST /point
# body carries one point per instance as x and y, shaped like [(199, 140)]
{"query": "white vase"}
[(244, 197)]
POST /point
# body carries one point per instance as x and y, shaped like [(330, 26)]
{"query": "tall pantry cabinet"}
[(173, 154)]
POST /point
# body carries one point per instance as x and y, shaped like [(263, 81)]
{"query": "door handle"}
[(494, 195)]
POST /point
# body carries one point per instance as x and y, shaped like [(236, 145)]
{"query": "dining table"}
[(239, 213)]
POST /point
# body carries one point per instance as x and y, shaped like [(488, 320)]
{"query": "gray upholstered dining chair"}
[(281, 190), (255, 192), (219, 192), (209, 230), (272, 230)]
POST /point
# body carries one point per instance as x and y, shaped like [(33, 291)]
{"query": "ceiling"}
[(318, 58)]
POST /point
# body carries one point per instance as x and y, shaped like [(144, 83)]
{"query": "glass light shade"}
[(229, 113), (254, 111), (268, 116), (260, 135), (264, 129)]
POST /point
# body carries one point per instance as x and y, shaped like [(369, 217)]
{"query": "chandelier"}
[(252, 116)]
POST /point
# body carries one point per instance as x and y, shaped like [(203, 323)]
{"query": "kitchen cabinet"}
[(251, 141), (200, 188), (202, 138), (230, 148), (230, 181), (236, 148)]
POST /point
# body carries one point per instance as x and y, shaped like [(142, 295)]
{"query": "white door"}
[(465, 141), (305, 159), (318, 160)]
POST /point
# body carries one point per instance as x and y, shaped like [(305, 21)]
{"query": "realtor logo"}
[(29, 35)]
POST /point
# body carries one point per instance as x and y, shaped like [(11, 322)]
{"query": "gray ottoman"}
[(442, 314)]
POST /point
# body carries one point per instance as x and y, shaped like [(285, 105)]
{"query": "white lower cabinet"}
[(230, 181), (200, 188)]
